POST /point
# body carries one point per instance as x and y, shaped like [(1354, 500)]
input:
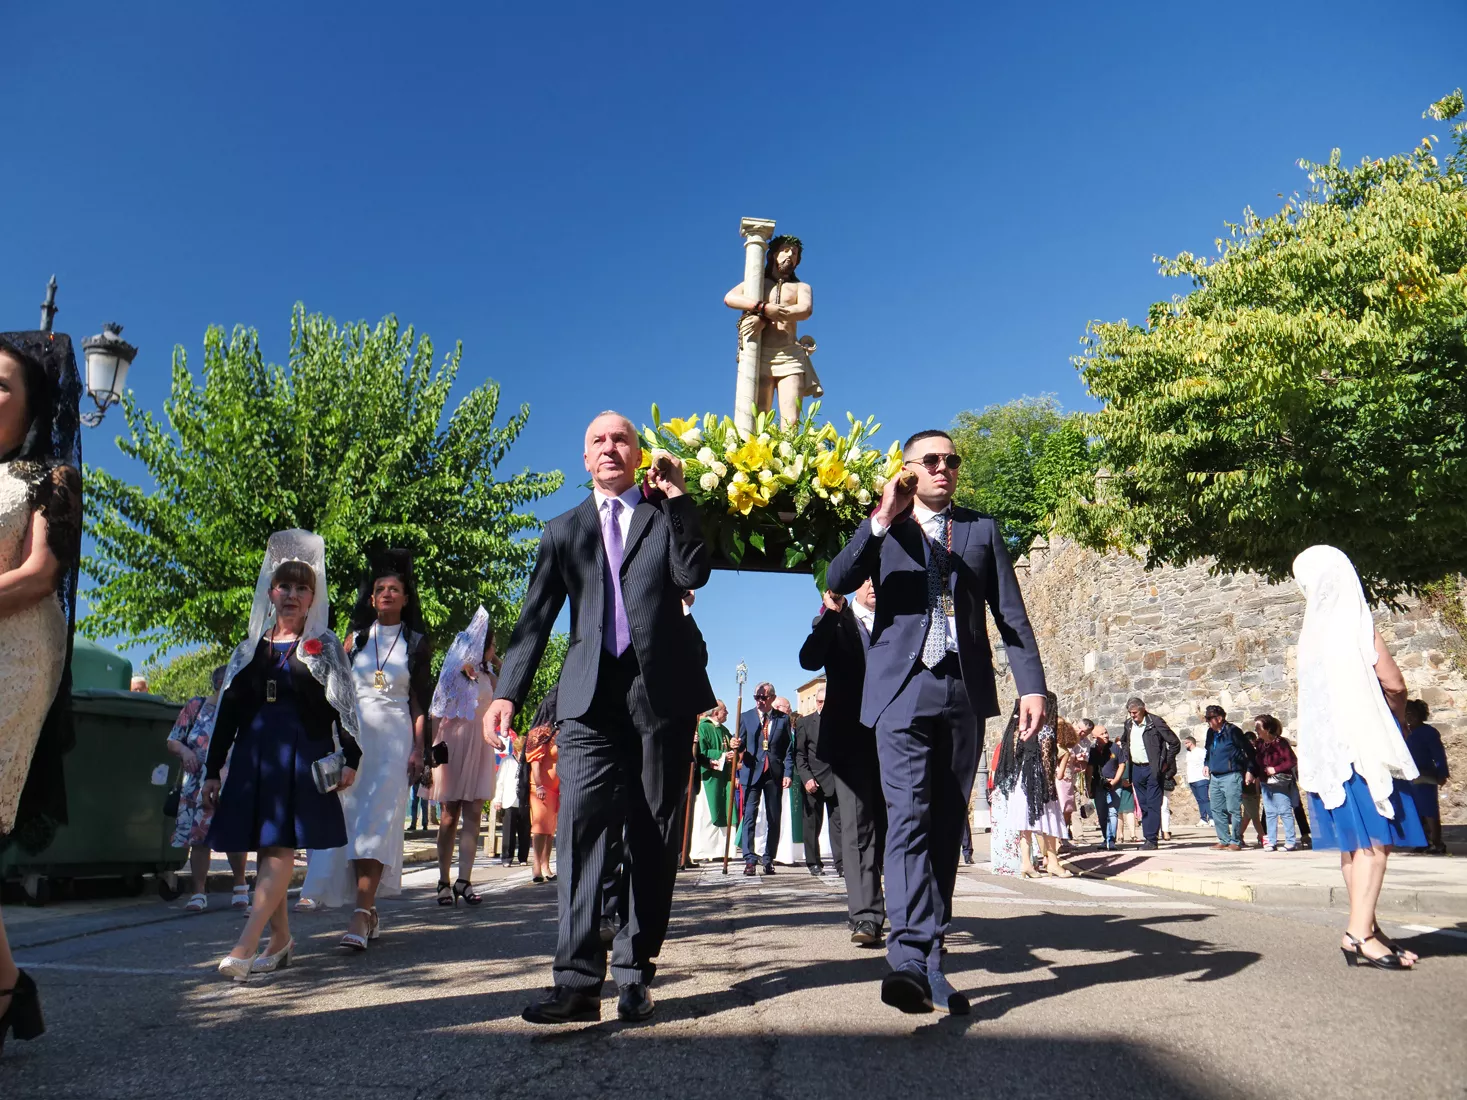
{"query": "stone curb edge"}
[(1442, 903)]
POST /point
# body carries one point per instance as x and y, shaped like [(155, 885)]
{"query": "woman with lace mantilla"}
[(40, 538), (287, 690)]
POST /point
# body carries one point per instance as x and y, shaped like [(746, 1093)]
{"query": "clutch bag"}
[(326, 772)]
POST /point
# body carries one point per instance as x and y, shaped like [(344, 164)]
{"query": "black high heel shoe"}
[(1391, 961), (462, 889), (23, 1017)]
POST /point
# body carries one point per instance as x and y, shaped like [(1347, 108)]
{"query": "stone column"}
[(756, 233)]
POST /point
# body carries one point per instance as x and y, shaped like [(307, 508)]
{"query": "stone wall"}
[(1182, 639)]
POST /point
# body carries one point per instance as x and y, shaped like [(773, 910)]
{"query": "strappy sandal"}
[(1355, 955), (463, 889), (376, 925), (1381, 937), (241, 898), (355, 940), (445, 893), (197, 904)]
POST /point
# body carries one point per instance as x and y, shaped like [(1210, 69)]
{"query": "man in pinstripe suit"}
[(634, 682)]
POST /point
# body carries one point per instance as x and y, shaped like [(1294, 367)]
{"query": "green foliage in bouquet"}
[(786, 498)]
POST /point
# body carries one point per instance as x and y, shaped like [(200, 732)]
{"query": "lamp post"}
[(108, 358)]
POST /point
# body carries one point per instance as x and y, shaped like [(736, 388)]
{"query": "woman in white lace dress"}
[(40, 536)]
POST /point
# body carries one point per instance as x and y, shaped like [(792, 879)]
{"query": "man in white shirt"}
[(928, 688), (1197, 778)]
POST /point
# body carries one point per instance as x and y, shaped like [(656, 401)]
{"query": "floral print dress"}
[(194, 725)]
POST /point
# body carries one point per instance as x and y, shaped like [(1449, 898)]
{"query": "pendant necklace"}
[(379, 681), (272, 690)]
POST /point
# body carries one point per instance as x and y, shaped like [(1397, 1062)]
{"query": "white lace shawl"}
[(456, 696), (1344, 722)]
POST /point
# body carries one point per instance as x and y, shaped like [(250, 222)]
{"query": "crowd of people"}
[(310, 743)]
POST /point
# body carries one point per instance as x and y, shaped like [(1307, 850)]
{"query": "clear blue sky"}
[(560, 186)]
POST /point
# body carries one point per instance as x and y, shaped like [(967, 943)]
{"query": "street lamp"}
[(108, 357)]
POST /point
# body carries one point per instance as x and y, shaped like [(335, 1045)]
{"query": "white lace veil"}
[(455, 696), (1344, 721), (329, 665)]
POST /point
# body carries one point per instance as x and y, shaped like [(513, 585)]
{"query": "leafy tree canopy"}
[(1019, 460), (1312, 387), (185, 675), (349, 439)]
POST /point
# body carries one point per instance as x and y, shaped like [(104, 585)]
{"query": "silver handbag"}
[(326, 772)]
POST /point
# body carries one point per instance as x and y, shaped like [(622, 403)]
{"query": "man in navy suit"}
[(837, 643), (766, 762), (929, 686)]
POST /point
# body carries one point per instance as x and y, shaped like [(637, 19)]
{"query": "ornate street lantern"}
[(108, 358)]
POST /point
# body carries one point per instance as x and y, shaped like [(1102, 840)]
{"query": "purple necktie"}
[(615, 634)]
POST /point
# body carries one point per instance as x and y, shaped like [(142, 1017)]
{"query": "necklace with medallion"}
[(379, 679), (272, 688)]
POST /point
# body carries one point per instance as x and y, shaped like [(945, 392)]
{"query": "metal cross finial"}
[(48, 307), (742, 672)]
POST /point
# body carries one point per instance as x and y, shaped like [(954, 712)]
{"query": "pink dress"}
[(469, 774)]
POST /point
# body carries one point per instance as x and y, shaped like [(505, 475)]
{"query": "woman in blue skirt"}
[(1353, 761), (288, 702)]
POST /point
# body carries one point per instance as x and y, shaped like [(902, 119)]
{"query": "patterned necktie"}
[(934, 649), (616, 635)]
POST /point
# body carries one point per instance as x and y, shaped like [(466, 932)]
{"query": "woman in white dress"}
[(390, 654), (464, 777), (40, 540), (1024, 773)]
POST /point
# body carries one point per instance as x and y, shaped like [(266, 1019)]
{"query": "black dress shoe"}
[(565, 1006), (769, 868), (817, 871), (635, 1003), (1149, 846), (907, 991), (23, 1015), (608, 932), (866, 933), (968, 858), (749, 869)]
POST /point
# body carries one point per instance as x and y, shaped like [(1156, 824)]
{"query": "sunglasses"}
[(933, 462), (759, 697)]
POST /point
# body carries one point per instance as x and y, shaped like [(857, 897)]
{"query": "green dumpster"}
[(95, 667), (117, 777)]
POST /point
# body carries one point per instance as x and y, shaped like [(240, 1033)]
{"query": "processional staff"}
[(742, 674)]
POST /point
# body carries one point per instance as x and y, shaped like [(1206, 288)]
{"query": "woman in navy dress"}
[(287, 691), (1353, 761), (1425, 743)]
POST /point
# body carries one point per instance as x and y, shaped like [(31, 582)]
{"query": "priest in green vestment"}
[(715, 771)]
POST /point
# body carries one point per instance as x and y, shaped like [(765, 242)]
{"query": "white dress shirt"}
[(1135, 736), (865, 616)]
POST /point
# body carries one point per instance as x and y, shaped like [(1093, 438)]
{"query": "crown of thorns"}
[(785, 239)]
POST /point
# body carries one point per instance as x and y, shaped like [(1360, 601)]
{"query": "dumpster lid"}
[(123, 704)]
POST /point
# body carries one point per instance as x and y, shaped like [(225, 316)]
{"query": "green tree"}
[(185, 675), (1019, 460), (1312, 387), (350, 440)]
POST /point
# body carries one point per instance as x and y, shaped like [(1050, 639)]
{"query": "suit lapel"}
[(641, 520), (591, 532), (961, 531)]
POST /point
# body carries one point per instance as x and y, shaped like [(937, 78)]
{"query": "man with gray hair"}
[(1151, 747)]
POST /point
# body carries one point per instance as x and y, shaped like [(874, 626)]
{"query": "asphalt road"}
[(1080, 988)]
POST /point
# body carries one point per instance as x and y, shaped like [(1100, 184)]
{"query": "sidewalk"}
[(418, 848), (1414, 883)]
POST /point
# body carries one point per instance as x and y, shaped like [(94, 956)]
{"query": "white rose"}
[(785, 450), (765, 477), (852, 482), (718, 468), (692, 436), (706, 456), (740, 477), (764, 437), (863, 496), (837, 497), (708, 482), (879, 483), (776, 465)]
